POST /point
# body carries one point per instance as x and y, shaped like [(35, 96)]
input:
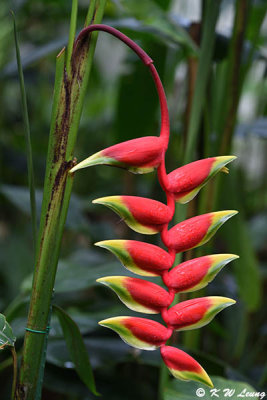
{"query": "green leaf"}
[(203, 72), (27, 137), (107, 352), (238, 239), (76, 349), (142, 108), (19, 196), (6, 335), (184, 391), (153, 16)]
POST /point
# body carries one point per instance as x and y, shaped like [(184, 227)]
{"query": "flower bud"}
[(195, 313), (137, 294), (185, 182), (139, 257), (139, 156), (194, 232), (139, 332), (143, 215), (183, 366), (195, 274)]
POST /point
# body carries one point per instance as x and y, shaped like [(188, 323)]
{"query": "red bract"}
[(195, 313), (139, 156), (141, 258), (139, 295), (195, 231), (149, 216), (195, 274), (149, 257), (183, 366), (185, 182), (139, 332), (142, 215)]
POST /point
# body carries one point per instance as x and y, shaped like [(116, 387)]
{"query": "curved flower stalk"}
[(149, 216)]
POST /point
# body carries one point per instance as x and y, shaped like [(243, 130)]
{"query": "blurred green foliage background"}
[(211, 57)]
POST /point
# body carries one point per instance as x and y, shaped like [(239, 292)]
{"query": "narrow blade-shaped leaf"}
[(77, 349)]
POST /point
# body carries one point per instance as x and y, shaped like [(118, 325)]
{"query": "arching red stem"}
[(165, 124)]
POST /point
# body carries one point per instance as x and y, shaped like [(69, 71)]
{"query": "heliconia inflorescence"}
[(149, 216)]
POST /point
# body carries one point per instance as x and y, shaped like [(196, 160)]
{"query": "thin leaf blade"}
[(77, 349), (27, 136)]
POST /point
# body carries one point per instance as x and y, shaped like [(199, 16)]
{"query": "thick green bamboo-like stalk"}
[(67, 106)]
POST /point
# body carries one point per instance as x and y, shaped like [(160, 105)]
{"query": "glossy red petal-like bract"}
[(187, 274), (148, 294), (196, 273), (178, 359), (183, 366), (141, 152), (182, 180), (187, 312), (189, 233), (195, 231), (148, 330), (195, 313), (148, 212), (149, 257), (186, 181)]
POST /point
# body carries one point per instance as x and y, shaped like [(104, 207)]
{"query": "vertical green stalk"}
[(73, 21), (15, 371), (233, 81), (234, 69), (205, 60), (210, 13), (163, 380), (67, 106), (27, 137)]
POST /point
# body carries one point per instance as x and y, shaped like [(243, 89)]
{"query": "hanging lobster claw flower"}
[(195, 313), (194, 232), (141, 258), (137, 294), (195, 274), (183, 366), (139, 156), (185, 182), (143, 215), (139, 332)]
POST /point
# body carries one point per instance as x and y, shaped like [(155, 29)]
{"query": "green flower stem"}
[(73, 20), (163, 380), (15, 371), (234, 72), (67, 106)]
